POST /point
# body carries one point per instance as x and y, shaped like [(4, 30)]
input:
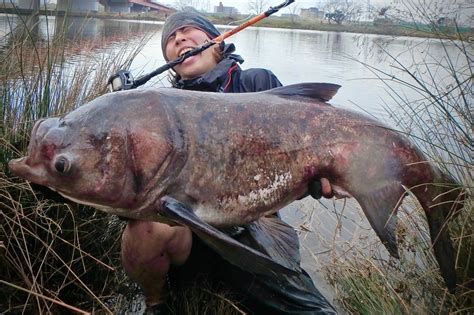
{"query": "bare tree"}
[(429, 13), (198, 5), (383, 11), (342, 10), (206, 5), (257, 6), (292, 9)]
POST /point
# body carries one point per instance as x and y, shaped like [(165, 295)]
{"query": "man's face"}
[(187, 38)]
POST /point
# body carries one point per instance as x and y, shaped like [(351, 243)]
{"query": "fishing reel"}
[(122, 80)]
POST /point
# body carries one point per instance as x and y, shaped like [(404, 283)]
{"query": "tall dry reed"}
[(438, 117), (54, 256)]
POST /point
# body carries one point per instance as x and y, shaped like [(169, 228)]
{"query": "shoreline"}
[(465, 34)]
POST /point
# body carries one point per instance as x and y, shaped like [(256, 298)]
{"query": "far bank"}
[(387, 28)]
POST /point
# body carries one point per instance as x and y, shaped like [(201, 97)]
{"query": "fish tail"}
[(441, 201)]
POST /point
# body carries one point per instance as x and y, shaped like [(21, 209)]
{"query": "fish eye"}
[(62, 164)]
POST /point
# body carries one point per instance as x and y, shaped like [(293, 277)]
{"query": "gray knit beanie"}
[(182, 19)]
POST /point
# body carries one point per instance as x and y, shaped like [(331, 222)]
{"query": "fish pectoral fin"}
[(272, 236), (380, 207), (230, 249)]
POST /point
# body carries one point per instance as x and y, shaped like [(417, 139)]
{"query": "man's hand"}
[(148, 250)]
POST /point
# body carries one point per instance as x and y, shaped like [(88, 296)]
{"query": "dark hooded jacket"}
[(228, 77)]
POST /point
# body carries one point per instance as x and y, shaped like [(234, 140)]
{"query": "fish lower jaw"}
[(99, 207)]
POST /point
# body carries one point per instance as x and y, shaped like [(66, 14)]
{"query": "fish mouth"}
[(19, 167), (16, 165)]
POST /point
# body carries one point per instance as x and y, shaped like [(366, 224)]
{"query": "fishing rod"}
[(123, 79)]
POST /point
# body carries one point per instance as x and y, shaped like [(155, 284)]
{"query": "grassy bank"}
[(412, 30)]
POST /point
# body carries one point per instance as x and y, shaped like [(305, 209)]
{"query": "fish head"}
[(83, 162)]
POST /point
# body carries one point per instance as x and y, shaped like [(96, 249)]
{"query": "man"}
[(160, 257)]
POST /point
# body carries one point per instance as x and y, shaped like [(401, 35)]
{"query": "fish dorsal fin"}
[(320, 91)]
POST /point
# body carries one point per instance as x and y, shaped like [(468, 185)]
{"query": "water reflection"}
[(14, 28), (355, 61), (74, 27), (46, 55), (293, 55)]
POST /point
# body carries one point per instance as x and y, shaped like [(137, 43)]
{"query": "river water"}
[(327, 228), (295, 56)]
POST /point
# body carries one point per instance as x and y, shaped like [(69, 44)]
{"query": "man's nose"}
[(179, 37)]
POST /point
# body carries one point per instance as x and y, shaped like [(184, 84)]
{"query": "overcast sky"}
[(242, 5)]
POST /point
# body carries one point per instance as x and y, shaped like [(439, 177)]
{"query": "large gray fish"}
[(213, 160)]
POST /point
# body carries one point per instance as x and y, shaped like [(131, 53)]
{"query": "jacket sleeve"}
[(255, 80)]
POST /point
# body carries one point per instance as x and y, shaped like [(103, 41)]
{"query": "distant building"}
[(312, 12), (221, 9)]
